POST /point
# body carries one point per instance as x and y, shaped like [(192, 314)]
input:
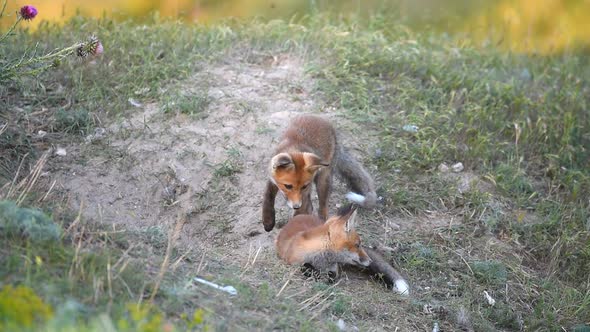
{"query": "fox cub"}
[(308, 241), (309, 151)]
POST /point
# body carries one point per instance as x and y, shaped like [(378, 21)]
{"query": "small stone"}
[(99, 133), (60, 152), (341, 325), (458, 167), (443, 168), (41, 133)]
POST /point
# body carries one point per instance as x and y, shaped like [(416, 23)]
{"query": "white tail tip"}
[(402, 287), (355, 198)]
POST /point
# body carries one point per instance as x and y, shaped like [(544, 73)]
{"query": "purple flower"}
[(28, 12)]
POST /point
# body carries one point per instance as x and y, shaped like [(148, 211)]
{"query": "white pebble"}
[(458, 167)]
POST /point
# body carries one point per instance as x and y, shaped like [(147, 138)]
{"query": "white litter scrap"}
[(489, 298), (61, 152), (134, 102), (228, 289), (435, 328), (410, 128)]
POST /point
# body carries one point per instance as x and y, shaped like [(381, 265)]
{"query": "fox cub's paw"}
[(268, 220), (311, 272)]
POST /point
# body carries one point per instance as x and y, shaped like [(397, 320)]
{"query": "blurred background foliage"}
[(523, 26)]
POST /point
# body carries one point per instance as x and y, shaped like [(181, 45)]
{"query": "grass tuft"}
[(490, 272), (73, 122), (31, 224)]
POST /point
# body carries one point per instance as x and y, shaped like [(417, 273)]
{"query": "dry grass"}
[(173, 236)]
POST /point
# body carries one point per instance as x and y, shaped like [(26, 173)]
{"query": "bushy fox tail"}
[(380, 267), (357, 179)]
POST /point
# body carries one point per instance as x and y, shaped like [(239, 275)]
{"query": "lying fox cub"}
[(309, 152), (308, 241)]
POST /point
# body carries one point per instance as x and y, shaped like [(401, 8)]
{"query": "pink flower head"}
[(98, 49), (92, 47), (28, 12)]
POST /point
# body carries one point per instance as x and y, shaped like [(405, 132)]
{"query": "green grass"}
[(78, 270), (231, 165), (520, 119), (519, 122), (74, 121), (194, 105)]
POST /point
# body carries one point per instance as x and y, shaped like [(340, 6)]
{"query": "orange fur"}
[(309, 152), (306, 239)]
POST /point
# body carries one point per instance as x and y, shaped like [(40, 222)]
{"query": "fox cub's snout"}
[(293, 173)]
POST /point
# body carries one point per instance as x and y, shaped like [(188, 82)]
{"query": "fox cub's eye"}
[(358, 244), (289, 186), (305, 186)]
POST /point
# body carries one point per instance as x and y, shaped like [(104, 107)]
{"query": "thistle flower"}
[(98, 49), (92, 47), (28, 12)]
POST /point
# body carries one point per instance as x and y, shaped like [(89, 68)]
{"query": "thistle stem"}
[(3, 8), (53, 55), (11, 29)]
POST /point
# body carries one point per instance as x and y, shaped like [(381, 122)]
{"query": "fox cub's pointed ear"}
[(351, 221), (281, 160), (313, 162)]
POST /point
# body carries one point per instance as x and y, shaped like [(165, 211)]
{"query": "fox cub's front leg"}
[(323, 183), (268, 206)]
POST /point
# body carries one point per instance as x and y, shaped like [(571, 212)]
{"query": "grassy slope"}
[(519, 121)]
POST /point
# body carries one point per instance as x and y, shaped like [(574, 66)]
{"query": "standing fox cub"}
[(309, 151), (307, 240)]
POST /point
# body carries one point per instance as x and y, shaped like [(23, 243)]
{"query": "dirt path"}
[(152, 165)]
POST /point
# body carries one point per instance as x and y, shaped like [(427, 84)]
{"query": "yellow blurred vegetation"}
[(540, 26), (21, 307)]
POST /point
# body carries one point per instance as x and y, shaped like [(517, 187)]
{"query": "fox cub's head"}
[(344, 240), (293, 173)]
